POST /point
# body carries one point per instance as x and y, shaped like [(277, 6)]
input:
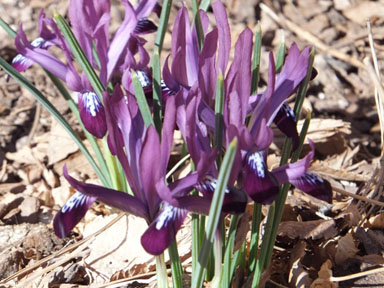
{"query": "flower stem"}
[(218, 259), (177, 269), (255, 235), (161, 272)]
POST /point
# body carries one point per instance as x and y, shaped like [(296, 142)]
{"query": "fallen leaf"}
[(316, 229), (241, 231), (299, 276), (346, 248), (324, 277), (376, 221), (60, 144), (363, 10)]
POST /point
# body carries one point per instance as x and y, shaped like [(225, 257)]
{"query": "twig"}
[(358, 197), (357, 275), (281, 20), (53, 266), (375, 76)]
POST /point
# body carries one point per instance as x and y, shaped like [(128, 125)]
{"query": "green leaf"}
[(256, 60), (7, 28), (204, 5), (142, 101), (219, 120), (280, 56)]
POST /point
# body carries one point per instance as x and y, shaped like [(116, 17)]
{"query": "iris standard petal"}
[(314, 185), (92, 114), (224, 35), (71, 213)]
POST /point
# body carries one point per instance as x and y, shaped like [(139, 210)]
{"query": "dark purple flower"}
[(194, 74), (314, 185), (144, 159)]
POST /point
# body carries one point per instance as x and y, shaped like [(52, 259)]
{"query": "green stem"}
[(195, 242), (161, 272), (255, 235), (114, 174), (228, 261), (218, 256), (177, 269), (264, 247)]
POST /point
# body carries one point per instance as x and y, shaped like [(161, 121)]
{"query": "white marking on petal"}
[(168, 214), (75, 201), (312, 178), (19, 59), (209, 184), (257, 163), (143, 78), (288, 111), (38, 42), (91, 102)]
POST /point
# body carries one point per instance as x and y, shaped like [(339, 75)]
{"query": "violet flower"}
[(194, 70), (144, 159), (90, 21)]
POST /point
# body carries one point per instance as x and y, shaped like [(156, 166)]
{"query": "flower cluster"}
[(189, 84)]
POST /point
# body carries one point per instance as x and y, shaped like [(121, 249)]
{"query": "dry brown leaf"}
[(372, 259), (60, 144), (299, 276), (363, 10), (376, 221), (321, 129), (316, 229), (346, 248), (325, 275), (242, 230), (350, 216), (297, 252)]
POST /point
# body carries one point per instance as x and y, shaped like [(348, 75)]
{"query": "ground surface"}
[(347, 236)]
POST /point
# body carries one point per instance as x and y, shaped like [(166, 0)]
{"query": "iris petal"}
[(71, 213), (145, 26), (285, 120), (163, 229), (260, 184), (235, 200), (315, 186), (22, 63), (92, 114)]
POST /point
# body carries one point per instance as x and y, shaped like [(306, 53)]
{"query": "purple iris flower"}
[(90, 21), (195, 72), (144, 159)]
